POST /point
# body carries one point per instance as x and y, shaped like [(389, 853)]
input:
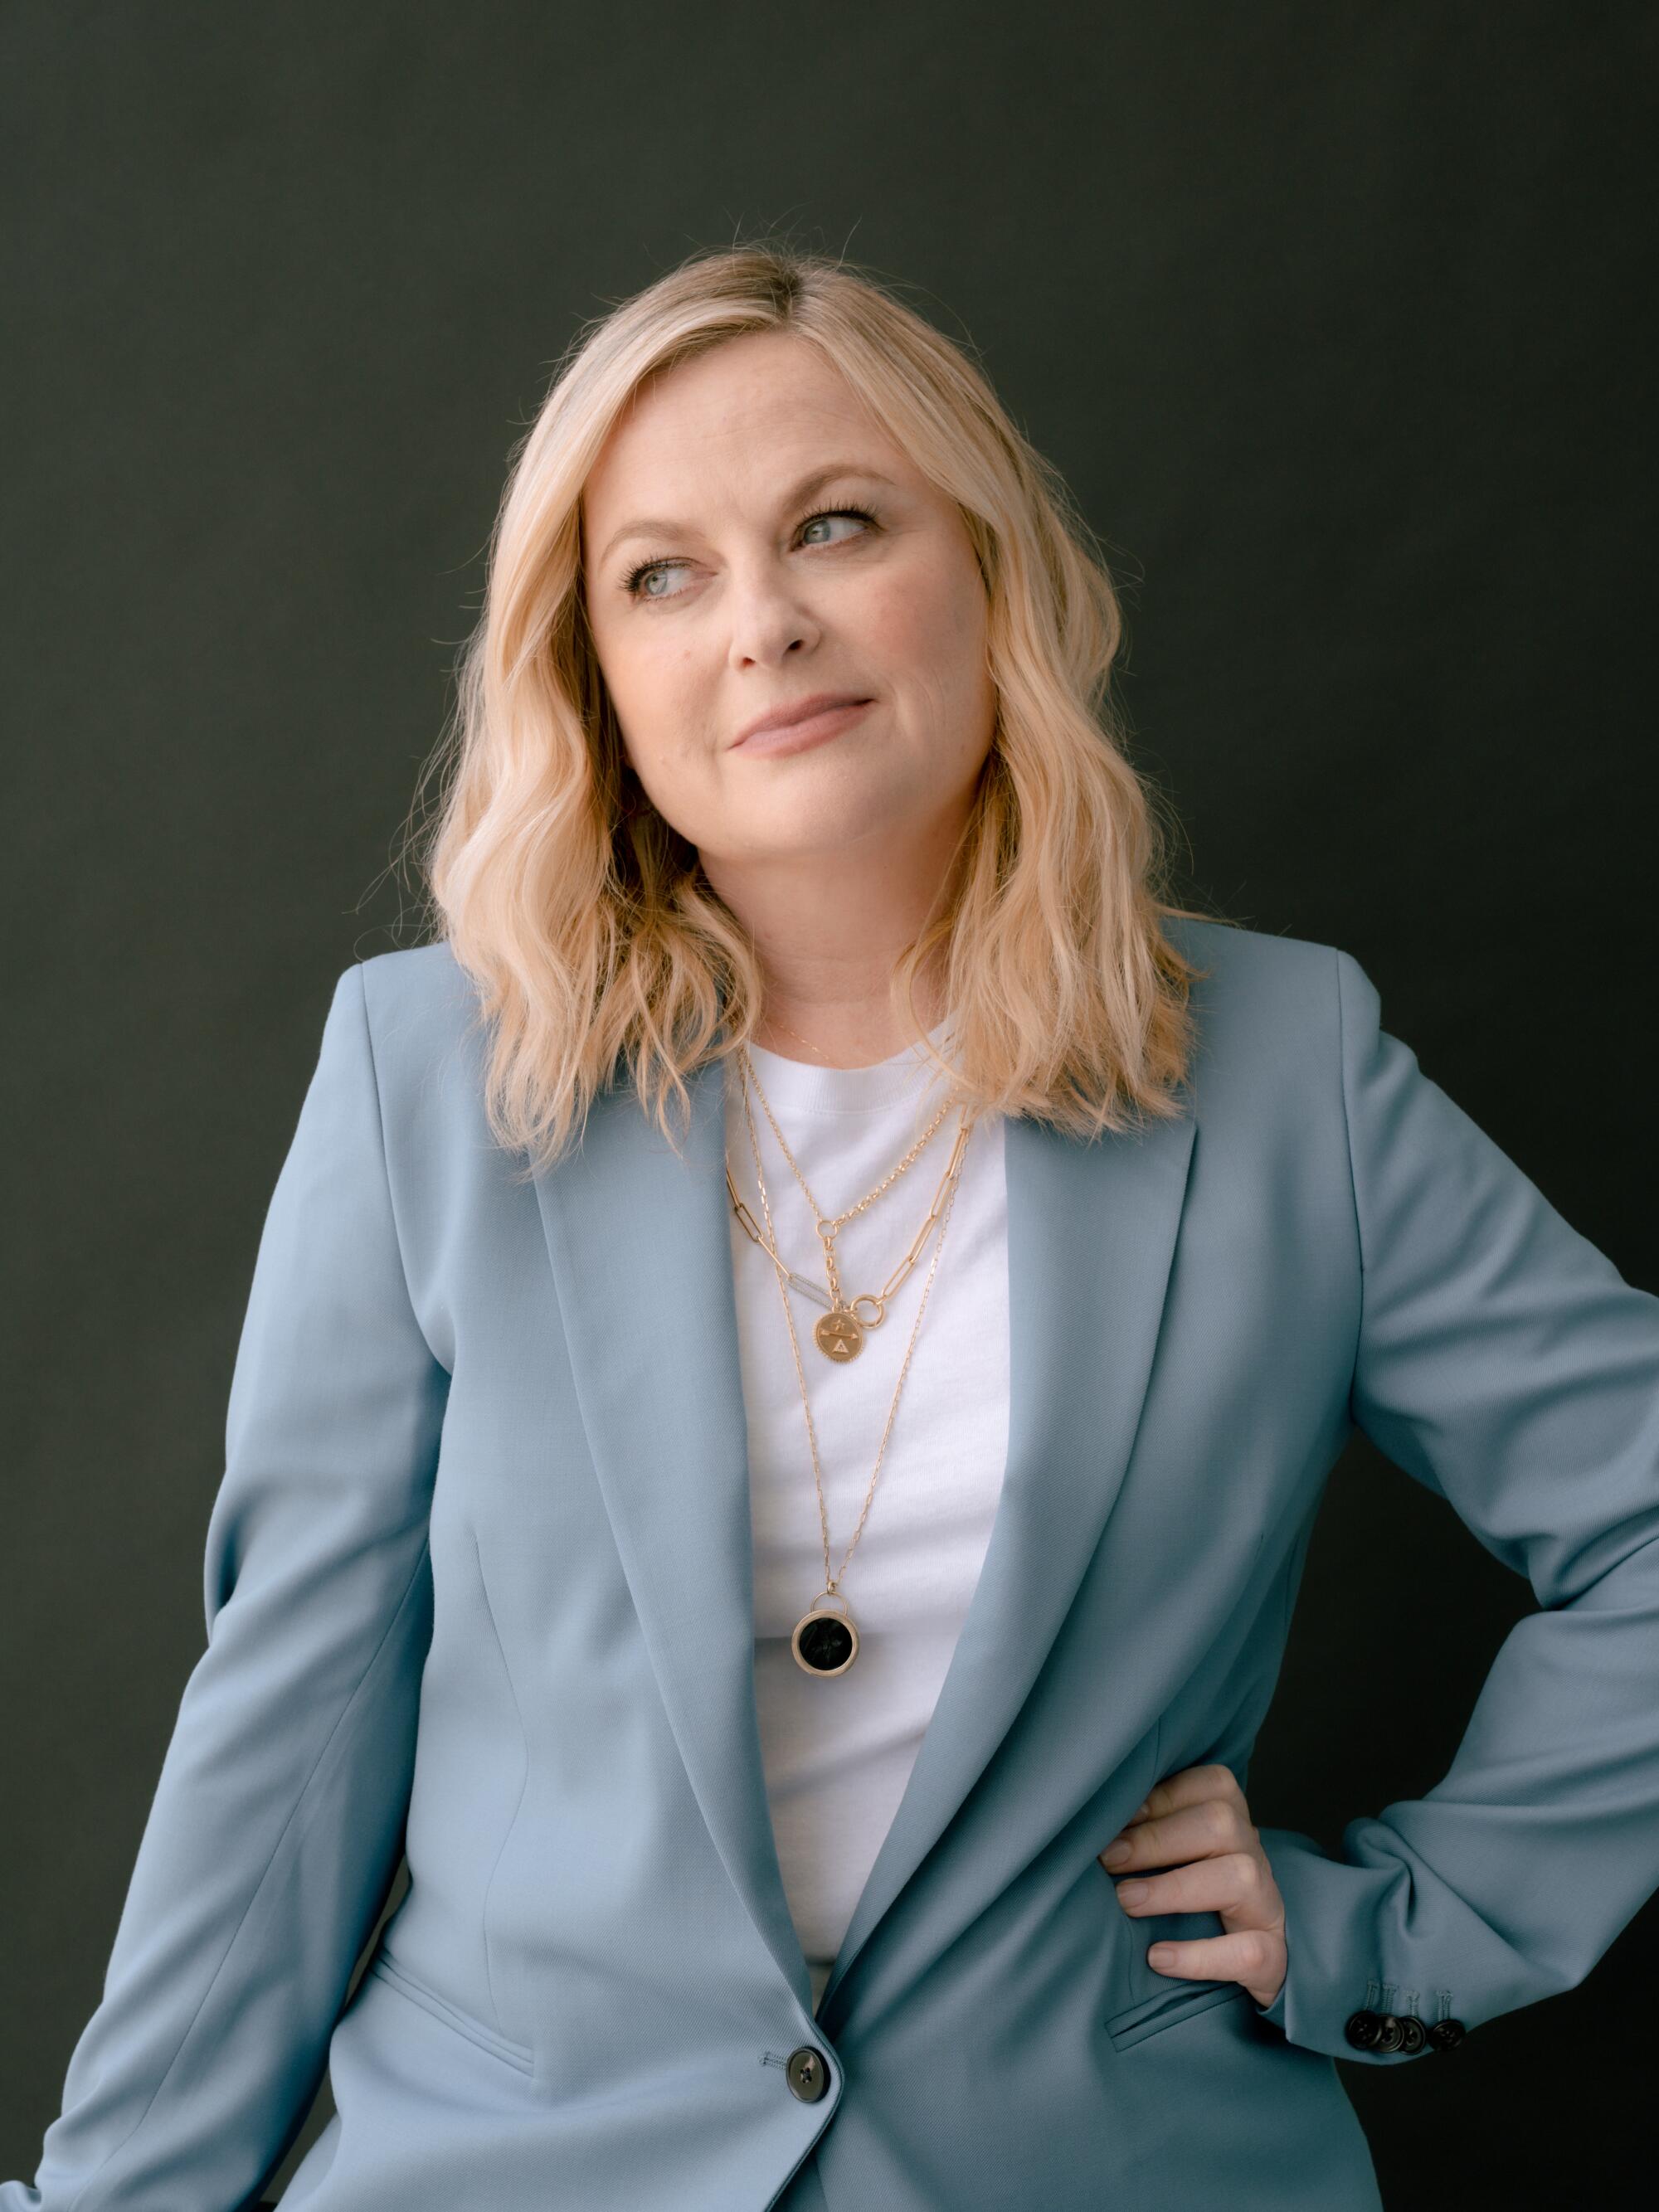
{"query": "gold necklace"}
[(826, 1642), (841, 1332), (774, 1023)]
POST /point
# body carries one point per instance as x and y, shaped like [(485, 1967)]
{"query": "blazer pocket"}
[(498, 2046), (1165, 2008)]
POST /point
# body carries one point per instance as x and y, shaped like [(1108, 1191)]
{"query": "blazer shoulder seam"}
[(1348, 1123), (385, 1164)]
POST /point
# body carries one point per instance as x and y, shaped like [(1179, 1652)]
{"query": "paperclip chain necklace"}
[(840, 1334), (826, 1642)]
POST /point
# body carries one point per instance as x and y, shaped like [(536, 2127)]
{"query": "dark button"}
[(1447, 2034), (1391, 2034), (1416, 2034), (1361, 2029), (807, 2074)]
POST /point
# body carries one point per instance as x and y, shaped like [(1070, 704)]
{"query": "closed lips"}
[(786, 717)]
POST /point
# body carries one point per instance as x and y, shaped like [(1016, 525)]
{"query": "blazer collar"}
[(639, 1243)]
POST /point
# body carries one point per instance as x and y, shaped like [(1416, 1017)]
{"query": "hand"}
[(1199, 1816)]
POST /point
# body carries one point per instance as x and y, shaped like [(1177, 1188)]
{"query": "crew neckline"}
[(806, 1087)]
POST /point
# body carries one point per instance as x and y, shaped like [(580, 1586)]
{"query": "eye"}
[(635, 582), (838, 515)]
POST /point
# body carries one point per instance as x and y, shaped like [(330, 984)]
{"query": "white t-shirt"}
[(838, 1750)]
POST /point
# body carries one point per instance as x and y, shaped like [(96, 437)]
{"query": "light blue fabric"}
[(478, 1579)]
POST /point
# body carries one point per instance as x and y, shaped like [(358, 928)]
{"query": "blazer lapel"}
[(639, 1242), (1092, 1233), (641, 1253)]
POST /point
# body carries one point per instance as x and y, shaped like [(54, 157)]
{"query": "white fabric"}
[(838, 1750)]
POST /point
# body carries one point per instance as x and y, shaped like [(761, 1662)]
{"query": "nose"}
[(768, 615)]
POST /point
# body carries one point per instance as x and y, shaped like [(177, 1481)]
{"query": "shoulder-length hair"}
[(585, 921)]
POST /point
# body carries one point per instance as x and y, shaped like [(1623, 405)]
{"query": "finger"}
[(1191, 1785), (1203, 1829), (1188, 1787), (1141, 1814), (1232, 1883), (1248, 1955)]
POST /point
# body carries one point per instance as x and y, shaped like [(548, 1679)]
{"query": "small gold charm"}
[(839, 1335)]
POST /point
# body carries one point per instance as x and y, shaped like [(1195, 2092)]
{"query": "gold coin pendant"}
[(839, 1335)]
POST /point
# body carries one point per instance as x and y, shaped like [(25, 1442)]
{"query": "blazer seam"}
[(1347, 1134), (518, 1804), (385, 1162), (253, 1896)]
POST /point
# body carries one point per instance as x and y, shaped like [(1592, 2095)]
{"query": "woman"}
[(758, 1558)]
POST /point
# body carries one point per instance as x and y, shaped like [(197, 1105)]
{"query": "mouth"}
[(808, 723)]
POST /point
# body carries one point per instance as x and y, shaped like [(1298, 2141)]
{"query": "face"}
[(722, 586)]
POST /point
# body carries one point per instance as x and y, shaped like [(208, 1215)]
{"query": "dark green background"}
[(1338, 317)]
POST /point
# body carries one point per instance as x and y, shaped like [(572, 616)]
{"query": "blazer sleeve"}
[(276, 1825), (1503, 1362)]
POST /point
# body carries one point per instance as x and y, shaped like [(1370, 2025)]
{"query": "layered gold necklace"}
[(826, 1640)]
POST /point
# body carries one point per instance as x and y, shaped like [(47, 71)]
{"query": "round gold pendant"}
[(825, 1642), (839, 1335)]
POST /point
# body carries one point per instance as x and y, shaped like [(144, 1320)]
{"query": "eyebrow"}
[(654, 526)]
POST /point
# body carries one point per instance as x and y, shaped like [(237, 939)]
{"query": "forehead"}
[(735, 423)]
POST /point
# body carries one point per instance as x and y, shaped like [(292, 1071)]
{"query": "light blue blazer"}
[(478, 1586)]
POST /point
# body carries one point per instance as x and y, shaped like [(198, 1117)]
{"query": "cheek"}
[(656, 691), (921, 628), (927, 637)]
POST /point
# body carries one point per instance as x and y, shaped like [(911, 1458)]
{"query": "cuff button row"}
[(1389, 2031)]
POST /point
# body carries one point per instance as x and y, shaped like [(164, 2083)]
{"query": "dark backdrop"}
[(1338, 319)]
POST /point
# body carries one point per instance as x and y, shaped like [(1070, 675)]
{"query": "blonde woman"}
[(789, 1372)]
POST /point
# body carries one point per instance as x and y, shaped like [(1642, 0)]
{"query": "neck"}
[(831, 1043), (846, 1022), (827, 941)]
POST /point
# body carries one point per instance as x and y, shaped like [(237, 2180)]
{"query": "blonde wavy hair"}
[(584, 919)]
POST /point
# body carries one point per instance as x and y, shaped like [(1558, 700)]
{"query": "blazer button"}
[(807, 2074), (1361, 2029), (1390, 2032), (1416, 2035), (1447, 2034)]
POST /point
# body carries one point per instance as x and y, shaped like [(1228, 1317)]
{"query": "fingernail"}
[(1116, 1853), (1132, 1892)]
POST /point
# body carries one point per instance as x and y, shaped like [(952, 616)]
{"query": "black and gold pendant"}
[(825, 1642)]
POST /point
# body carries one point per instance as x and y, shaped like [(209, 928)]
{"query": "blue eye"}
[(633, 580), (833, 513)]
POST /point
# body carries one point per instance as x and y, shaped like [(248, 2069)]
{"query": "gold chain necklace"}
[(774, 1023), (841, 1332), (826, 1642)]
